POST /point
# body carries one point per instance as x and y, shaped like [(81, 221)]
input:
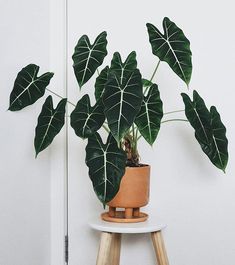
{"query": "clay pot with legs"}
[(133, 194)]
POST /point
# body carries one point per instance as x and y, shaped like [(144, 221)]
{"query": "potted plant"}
[(128, 107)]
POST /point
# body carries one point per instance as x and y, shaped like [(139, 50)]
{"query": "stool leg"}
[(115, 249), (159, 248), (104, 249)]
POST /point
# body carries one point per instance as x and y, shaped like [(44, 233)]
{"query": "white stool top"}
[(151, 225)]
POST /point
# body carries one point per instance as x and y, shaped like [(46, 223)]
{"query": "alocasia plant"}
[(127, 106)]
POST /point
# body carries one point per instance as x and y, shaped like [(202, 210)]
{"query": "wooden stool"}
[(110, 242)]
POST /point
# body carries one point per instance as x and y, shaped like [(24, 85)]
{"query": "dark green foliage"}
[(149, 117), (28, 87), (86, 120), (172, 47), (50, 122), (106, 163), (87, 58), (122, 102), (209, 129)]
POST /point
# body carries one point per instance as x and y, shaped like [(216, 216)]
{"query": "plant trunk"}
[(130, 148)]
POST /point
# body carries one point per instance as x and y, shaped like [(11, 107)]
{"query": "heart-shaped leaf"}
[(149, 117), (122, 102), (50, 122), (172, 47), (28, 87), (209, 129), (87, 58), (106, 164), (100, 83), (121, 69), (86, 120)]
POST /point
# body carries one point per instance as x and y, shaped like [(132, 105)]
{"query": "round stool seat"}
[(151, 225), (111, 233)]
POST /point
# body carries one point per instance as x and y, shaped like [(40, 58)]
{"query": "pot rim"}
[(142, 166)]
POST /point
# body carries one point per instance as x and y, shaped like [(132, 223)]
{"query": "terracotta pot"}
[(134, 188), (133, 194)]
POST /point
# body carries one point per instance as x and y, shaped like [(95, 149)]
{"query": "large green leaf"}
[(172, 47), (122, 102), (149, 117), (50, 122), (88, 57), (86, 120), (106, 164), (199, 116), (121, 69), (100, 83), (28, 87), (209, 129), (219, 143)]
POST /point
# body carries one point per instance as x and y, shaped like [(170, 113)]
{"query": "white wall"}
[(196, 200), (24, 181)]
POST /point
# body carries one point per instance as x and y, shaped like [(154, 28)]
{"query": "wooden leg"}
[(128, 213), (104, 249), (159, 248), (115, 249)]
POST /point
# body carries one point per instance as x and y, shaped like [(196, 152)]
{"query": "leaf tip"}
[(223, 169), (166, 19), (104, 33), (51, 74)]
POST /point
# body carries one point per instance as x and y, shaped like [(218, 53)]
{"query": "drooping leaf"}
[(172, 47), (28, 87), (199, 116), (106, 163), (122, 102), (50, 122), (121, 69), (220, 142), (149, 117), (86, 120), (100, 83), (209, 129), (87, 58)]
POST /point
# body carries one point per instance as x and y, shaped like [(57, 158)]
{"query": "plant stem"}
[(175, 111), (155, 70), (59, 96), (136, 135), (174, 120), (133, 133)]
